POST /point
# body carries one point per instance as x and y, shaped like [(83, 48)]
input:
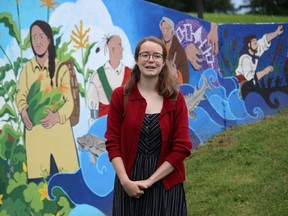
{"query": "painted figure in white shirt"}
[(252, 50), (106, 78)]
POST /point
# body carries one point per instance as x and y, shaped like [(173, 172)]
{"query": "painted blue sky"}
[(29, 12), (67, 14)]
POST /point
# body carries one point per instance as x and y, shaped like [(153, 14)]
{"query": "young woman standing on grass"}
[(148, 138)]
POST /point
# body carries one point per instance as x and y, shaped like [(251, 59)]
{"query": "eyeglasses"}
[(145, 56)]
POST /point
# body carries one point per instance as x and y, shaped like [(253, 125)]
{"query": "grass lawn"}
[(241, 171), (242, 18)]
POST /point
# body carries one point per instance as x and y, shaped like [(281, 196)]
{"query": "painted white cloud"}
[(95, 16)]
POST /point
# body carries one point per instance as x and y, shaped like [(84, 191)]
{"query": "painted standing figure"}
[(252, 50), (177, 59), (107, 77), (50, 144)]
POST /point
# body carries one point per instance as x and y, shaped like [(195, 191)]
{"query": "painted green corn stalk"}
[(80, 38), (39, 101)]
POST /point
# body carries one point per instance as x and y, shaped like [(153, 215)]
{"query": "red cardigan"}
[(123, 134)]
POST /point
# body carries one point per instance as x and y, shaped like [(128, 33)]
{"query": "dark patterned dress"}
[(156, 201)]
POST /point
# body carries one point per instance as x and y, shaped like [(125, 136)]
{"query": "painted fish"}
[(94, 144), (193, 99)]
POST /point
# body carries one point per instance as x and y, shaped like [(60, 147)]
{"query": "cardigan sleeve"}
[(114, 120), (181, 143)]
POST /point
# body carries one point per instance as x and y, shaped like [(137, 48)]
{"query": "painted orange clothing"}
[(179, 74)]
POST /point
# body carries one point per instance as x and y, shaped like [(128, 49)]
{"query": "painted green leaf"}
[(10, 88), (87, 52), (8, 21), (71, 52), (56, 30), (26, 44), (40, 112), (77, 66), (34, 89), (56, 102), (36, 99), (4, 213), (8, 84), (53, 92), (64, 203), (11, 118), (15, 207), (61, 51), (42, 101), (88, 74), (20, 156), (55, 97), (7, 109), (58, 42), (12, 92), (3, 147), (33, 106), (4, 136), (59, 104), (32, 196), (82, 90), (3, 71), (19, 179), (2, 92)]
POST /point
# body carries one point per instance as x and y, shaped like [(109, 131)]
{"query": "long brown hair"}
[(167, 85), (46, 28)]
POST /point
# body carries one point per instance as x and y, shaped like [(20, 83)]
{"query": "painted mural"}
[(59, 63)]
